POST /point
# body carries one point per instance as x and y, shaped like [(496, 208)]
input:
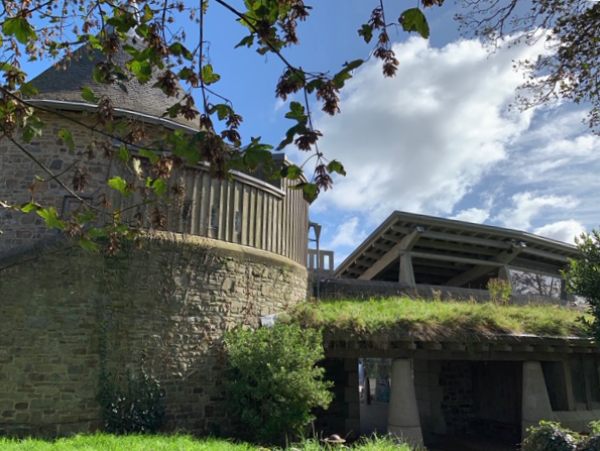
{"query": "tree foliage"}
[(549, 436), (583, 275), (274, 382), (162, 57), (569, 69), (152, 33)]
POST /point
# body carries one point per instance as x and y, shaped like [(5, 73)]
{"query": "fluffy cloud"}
[(477, 215), (347, 234), (562, 230), (421, 140), (439, 139), (527, 206)]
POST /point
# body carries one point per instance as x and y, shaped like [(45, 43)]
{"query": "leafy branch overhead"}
[(147, 42)]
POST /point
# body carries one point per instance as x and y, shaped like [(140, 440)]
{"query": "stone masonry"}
[(457, 403), (167, 302)]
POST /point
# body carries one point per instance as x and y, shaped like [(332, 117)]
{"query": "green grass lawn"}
[(105, 442), (437, 319)]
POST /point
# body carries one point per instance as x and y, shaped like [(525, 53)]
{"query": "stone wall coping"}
[(52, 245), (235, 250)]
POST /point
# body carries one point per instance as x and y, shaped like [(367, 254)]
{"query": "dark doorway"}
[(480, 403)]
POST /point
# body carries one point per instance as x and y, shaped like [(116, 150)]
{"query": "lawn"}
[(106, 442), (429, 319)]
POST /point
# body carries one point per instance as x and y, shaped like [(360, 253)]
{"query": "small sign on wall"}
[(268, 320)]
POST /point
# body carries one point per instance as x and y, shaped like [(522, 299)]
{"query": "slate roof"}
[(65, 85)]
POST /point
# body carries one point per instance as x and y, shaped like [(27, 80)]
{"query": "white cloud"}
[(477, 215), (527, 206), (421, 140), (565, 230), (347, 234), (439, 135), (279, 104)]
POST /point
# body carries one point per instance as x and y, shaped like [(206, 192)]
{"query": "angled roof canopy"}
[(61, 85), (414, 248)]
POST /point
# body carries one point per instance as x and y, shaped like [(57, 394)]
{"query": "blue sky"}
[(438, 139)]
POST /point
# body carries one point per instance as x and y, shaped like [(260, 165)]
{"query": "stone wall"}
[(20, 177), (168, 302), (457, 402), (342, 417)]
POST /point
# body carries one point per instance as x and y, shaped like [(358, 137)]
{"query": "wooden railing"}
[(243, 210)]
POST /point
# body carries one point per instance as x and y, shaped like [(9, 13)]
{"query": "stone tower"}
[(233, 250)]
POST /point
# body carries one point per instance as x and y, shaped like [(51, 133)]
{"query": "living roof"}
[(60, 87), (432, 320), (446, 248)]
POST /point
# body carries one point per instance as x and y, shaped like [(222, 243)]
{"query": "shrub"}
[(500, 290), (136, 408), (594, 427), (583, 276), (273, 381), (549, 436), (590, 444)]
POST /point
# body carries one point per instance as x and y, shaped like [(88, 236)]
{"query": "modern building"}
[(428, 389), (418, 252)]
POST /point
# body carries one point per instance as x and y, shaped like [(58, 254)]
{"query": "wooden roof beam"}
[(394, 253), (547, 255), (455, 259), (456, 247), (453, 237), (503, 258)]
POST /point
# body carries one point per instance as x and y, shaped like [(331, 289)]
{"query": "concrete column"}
[(504, 273), (564, 295), (407, 274), (535, 404), (403, 417)]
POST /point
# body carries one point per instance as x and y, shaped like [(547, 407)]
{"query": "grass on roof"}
[(430, 319)]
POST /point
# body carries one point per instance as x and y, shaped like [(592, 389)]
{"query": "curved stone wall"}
[(168, 302)]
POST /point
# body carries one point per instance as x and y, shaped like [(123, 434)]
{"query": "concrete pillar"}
[(535, 404), (403, 417), (407, 274), (504, 273), (564, 294)]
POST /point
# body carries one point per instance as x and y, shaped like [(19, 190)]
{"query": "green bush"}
[(138, 407), (500, 291), (273, 381), (549, 436), (590, 444), (594, 427)]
